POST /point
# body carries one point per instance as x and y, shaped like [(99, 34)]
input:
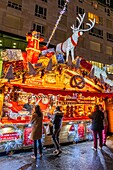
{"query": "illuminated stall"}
[(49, 81)]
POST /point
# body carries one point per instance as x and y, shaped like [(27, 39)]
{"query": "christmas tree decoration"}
[(31, 69), (9, 75), (92, 73), (49, 66)]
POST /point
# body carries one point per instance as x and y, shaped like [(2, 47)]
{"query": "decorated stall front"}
[(48, 80)]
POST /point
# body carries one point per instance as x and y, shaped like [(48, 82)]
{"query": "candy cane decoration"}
[(56, 25)]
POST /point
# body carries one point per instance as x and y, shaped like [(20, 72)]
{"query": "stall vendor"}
[(28, 106)]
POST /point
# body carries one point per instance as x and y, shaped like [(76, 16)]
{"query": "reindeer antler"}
[(90, 25), (80, 19)]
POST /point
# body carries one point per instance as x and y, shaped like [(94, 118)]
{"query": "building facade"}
[(17, 17)]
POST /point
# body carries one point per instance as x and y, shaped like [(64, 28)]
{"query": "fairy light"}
[(57, 22)]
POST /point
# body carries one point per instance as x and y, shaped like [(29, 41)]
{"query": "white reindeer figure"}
[(71, 42)]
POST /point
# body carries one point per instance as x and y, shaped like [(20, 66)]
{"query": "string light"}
[(57, 22)]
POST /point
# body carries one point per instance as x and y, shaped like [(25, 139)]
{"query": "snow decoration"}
[(72, 41), (44, 52), (57, 22)]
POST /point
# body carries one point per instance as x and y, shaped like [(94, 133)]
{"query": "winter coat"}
[(37, 126), (105, 121), (57, 120), (97, 120)]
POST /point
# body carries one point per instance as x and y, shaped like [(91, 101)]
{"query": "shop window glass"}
[(16, 4), (109, 50), (95, 46), (40, 12)]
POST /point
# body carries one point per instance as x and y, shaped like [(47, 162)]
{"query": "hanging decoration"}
[(57, 22)]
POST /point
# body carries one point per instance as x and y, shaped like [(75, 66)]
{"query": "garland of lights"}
[(57, 22)]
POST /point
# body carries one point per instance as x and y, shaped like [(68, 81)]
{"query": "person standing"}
[(105, 123), (27, 106), (36, 133), (57, 124), (97, 126)]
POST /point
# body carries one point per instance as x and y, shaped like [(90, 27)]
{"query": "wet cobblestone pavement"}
[(74, 157)]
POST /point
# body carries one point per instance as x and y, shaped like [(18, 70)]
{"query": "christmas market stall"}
[(48, 80)]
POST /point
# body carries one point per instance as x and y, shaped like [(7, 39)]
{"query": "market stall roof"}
[(58, 91)]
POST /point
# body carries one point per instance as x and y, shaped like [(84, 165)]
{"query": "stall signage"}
[(81, 131), (27, 134), (9, 136)]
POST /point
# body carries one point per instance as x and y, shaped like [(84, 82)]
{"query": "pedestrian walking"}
[(105, 123), (36, 133), (97, 126), (57, 124)]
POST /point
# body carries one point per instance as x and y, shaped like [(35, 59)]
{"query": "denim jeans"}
[(55, 137), (39, 147)]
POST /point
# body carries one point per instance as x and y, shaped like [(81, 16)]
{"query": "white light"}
[(29, 125), (0, 40), (14, 46), (0, 44), (14, 43)]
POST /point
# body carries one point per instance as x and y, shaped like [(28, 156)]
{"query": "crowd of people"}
[(99, 127)]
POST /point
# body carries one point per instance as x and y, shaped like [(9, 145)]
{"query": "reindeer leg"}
[(67, 54), (72, 54)]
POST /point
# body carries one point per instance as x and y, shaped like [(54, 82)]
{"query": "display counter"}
[(16, 136)]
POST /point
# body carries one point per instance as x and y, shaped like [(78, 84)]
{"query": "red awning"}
[(54, 91)]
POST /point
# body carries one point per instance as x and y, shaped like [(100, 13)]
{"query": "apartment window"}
[(77, 24), (95, 63), (12, 22), (109, 37), (79, 10), (109, 50), (61, 3), (44, 0), (93, 16), (16, 4), (95, 46), (96, 32), (40, 11), (39, 28), (108, 2), (109, 23)]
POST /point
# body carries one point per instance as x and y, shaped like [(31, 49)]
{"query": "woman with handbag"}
[(36, 133)]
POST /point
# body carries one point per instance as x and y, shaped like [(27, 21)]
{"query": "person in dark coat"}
[(97, 126), (57, 124), (36, 133)]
